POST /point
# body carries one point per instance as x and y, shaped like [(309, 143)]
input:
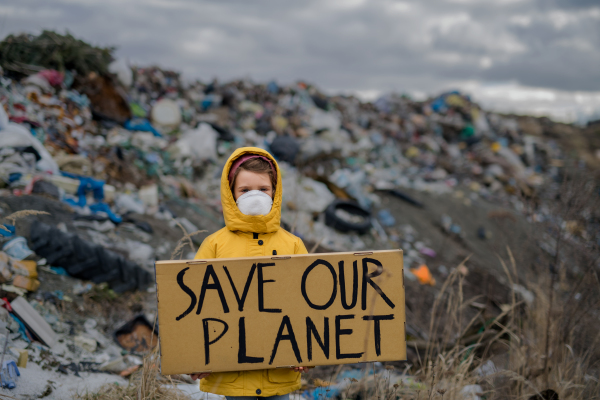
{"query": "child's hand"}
[(301, 369), (199, 375)]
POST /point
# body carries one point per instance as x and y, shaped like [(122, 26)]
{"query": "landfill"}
[(105, 166)]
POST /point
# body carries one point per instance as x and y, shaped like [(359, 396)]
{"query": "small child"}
[(251, 198)]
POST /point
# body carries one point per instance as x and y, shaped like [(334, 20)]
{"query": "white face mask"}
[(254, 202)]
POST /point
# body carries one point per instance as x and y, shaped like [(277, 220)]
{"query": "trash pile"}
[(114, 143)]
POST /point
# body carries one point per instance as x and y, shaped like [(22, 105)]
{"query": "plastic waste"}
[(7, 230), (85, 343), (140, 253), (428, 252), (149, 195), (285, 148), (17, 248), (322, 120), (166, 113), (471, 392), (199, 144), (304, 194), (128, 203), (23, 357), (38, 81), (52, 76), (352, 182), (74, 253), (386, 218), (486, 369), (526, 294), (79, 289), (141, 124), (15, 135), (423, 275), (122, 70), (9, 374)]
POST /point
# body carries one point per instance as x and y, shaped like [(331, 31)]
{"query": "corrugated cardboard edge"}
[(278, 257), (158, 323), (34, 321)]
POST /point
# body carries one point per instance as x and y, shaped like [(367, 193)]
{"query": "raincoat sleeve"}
[(299, 247), (207, 250)]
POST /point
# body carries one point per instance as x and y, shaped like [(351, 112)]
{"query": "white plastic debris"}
[(122, 70), (166, 113), (199, 144), (471, 392)]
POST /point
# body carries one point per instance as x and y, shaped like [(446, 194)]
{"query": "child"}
[(251, 198)]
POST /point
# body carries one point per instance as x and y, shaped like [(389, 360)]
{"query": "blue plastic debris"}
[(272, 87), (80, 99), (7, 230), (103, 207), (96, 186), (210, 101), (14, 177), (59, 271), (439, 104), (9, 374), (345, 379), (386, 218), (86, 184), (17, 248), (141, 124), (22, 328), (455, 229)]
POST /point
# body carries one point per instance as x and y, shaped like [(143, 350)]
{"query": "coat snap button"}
[(258, 391), (260, 242)]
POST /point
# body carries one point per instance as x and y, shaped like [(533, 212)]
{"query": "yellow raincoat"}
[(250, 236)]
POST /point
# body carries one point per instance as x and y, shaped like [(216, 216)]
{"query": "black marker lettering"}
[(323, 343), (367, 278), (242, 357), (340, 332), (207, 341), (285, 322), (241, 300), (354, 285), (303, 285), (188, 291), (377, 328), (261, 291), (216, 285)]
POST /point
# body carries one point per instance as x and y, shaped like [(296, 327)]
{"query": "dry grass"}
[(22, 214), (514, 341), (186, 240), (146, 384)]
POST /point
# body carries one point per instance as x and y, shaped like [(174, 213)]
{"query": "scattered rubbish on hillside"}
[(423, 275), (137, 335), (123, 150)]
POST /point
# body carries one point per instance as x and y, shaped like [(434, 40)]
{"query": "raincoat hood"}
[(234, 219)]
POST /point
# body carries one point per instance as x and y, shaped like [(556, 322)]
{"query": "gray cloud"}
[(340, 44)]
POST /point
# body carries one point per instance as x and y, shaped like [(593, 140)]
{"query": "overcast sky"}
[(514, 53)]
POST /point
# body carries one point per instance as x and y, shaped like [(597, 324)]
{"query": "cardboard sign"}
[(270, 312)]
